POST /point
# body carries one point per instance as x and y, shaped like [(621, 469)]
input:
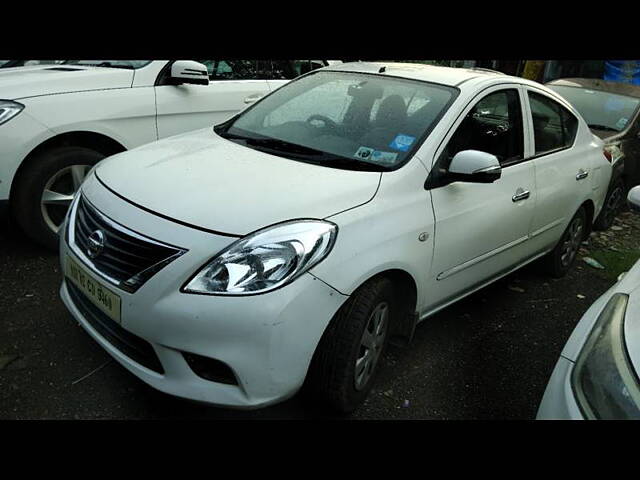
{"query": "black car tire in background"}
[(27, 196)]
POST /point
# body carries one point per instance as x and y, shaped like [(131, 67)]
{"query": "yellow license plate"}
[(101, 296)]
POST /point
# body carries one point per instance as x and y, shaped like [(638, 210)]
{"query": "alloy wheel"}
[(613, 204), (58, 193), (371, 345), (571, 241)]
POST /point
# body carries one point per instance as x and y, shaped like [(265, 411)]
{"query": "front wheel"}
[(561, 258), (347, 358), (45, 189)]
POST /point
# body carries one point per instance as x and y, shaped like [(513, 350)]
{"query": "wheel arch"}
[(406, 290), (589, 208), (88, 139)]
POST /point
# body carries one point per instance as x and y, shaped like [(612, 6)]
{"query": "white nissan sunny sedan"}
[(286, 246)]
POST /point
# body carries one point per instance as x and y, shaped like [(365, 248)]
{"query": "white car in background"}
[(597, 374), (57, 121), (231, 264)]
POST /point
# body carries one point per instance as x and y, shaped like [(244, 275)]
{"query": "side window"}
[(305, 66), (234, 69), (493, 125), (283, 70), (554, 127)]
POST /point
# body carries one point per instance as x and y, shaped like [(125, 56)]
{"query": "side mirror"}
[(634, 199), (475, 166), (188, 71)]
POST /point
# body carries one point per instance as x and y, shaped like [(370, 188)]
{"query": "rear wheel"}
[(561, 258), (45, 189), (347, 358), (612, 205)]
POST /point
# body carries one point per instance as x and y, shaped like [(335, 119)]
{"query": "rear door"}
[(562, 167), (234, 84), (481, 229)]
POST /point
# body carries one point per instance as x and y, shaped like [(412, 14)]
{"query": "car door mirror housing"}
[(474, 166), (189, 72), (634, 199)]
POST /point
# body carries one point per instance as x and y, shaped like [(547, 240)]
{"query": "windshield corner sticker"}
[(622, 123), (364, 153), (402, 142), (384, 157)]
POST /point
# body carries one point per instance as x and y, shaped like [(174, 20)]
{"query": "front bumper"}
[(266, 340)]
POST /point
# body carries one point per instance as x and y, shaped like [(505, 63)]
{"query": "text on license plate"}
[(99, 295)]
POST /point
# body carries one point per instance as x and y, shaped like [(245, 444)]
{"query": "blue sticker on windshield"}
[(402, 142)]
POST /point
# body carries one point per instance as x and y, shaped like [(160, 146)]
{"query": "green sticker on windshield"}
[(385, 158)]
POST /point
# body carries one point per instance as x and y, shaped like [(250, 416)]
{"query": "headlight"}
[(614, 151), (8, 110), (603, 379), (266, 259)]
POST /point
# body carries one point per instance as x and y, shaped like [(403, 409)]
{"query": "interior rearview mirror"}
[(634, 199), (475, 166), (190, 72)]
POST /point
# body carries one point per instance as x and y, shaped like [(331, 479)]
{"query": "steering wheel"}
[(328, 123)]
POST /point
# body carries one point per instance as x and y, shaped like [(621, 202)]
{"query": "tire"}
[(612, 205), (59, 170), (333, 378), (557, 263)]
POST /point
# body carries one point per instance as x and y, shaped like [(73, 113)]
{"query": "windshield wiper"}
[(595, 126), (303, 154)]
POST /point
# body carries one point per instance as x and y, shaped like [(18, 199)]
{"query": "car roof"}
[(418, 71), (598, 84)]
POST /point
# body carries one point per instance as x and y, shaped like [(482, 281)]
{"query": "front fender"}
[(384, 234)]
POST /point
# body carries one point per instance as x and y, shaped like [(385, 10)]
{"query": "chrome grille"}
[(127, 259)]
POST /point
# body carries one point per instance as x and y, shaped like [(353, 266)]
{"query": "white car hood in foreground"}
[(206, 181), (24, 82)]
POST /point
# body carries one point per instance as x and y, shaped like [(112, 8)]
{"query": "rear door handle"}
[(520, 195), (582, 174), (252, 98)]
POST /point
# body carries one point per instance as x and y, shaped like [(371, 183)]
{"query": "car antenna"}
[(382, 69)]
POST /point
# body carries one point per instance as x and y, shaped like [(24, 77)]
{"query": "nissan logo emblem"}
[(95, 244)]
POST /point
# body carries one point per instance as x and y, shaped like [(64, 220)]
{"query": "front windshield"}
[(333, 118), (601, 110), (129, 64)]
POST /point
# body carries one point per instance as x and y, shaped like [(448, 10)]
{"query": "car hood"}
[(203, 180), (24, 82)]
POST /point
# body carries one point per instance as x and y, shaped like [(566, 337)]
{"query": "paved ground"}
[(487, 357)]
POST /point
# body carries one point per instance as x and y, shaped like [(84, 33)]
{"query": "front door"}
[(481, 229), (233, 85)]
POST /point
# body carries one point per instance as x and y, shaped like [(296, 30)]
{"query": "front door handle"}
[(520, 195), (252, 98), (582, 174)]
